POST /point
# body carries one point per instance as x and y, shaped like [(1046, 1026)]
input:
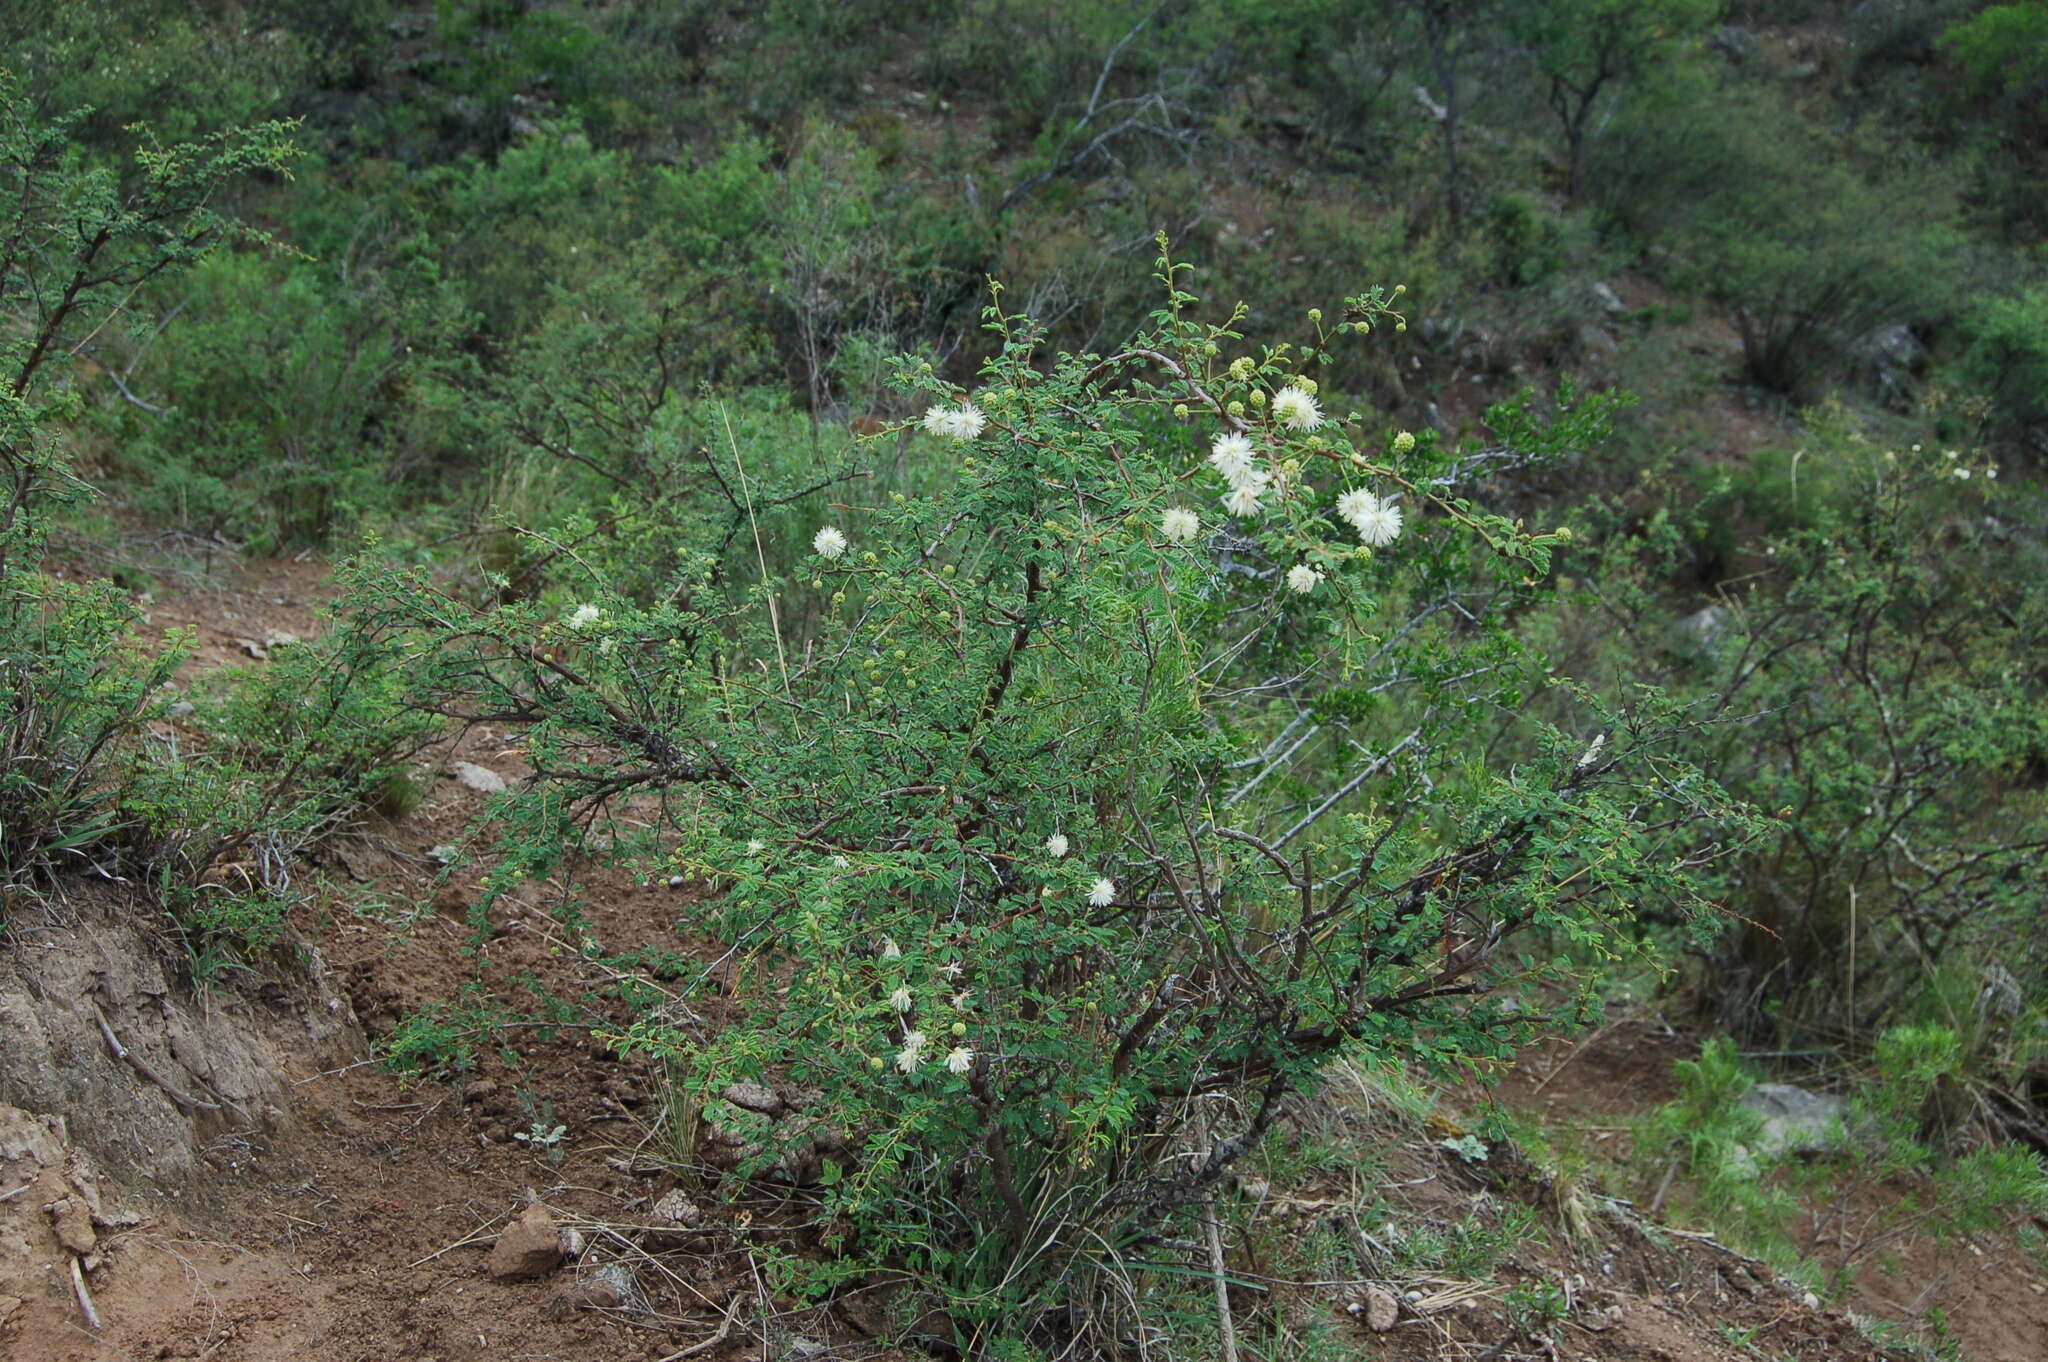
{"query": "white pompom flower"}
[(1102, 893), (829, 542), (960, 1059), (912, 1053), (1232, 455), (1056, 845), (900, 1000), (1296, 410), (958, 424), (583, 616), (1179, 524), (1245, 499), (1379, 526), (1355, 503), (1302, 579)]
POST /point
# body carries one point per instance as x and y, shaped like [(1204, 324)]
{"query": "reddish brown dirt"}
[(1992, 1295), (359, 1230)]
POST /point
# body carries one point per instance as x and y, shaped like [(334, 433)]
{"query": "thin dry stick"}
[(1225, 1327), (85, 1305), (706, 1345), (1583, 1046), (760, 556), (148, 1071)]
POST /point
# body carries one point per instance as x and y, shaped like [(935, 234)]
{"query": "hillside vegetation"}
[(1134, 557)]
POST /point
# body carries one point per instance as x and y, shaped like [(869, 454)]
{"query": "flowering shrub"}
[(1109, 793)]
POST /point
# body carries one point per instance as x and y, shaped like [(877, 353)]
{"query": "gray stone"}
[(1704, 624), (479, 778), (755, 1097), (1609, 301), (1796, 1121)]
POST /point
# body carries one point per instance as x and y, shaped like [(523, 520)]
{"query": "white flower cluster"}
[(1234, 456), (1377, 519), (1179, 524), (1302, 579), (958, 424), (1296, 409), (584, 616), (829, 543)]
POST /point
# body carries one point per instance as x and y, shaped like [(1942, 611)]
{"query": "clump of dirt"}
[(145, 1070)]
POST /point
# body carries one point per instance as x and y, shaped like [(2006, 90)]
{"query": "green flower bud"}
[(1564, 534), (1258, 397), (1180, 410), (1315, 314), (1235, 409), (1241, 369), (1307, 385), (1403, 442)]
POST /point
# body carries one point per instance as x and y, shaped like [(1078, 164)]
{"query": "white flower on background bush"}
[(912, 1053), (1102, 893), (1296, 410), (1232, 455), (958, 424), (960, 1059), (1302, 579), (1056, 845), (1245, 499), (1179, 524), (584, 616), (890, 950), (900, 1000), (829, 542), (1377, 519)]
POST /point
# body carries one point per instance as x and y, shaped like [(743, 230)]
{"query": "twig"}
[(1583, 1046), (85, 1305), (9, 1196), (724, 1329), (147, 1070), (1226, 1329)]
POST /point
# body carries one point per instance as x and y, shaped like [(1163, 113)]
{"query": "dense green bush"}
[(1071, 824)]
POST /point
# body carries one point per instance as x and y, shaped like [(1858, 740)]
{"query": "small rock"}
[(444, 853), (1381, 1309), (180, 709), (72, 1223), (755, 1097), (677, 1209), (530, 1247), (479, 1090), (1609, 301), (1796, 1121), (1810, 1301), (479, 778), (1706, 624), (8, 1305), (279, 638), (253, 648)]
